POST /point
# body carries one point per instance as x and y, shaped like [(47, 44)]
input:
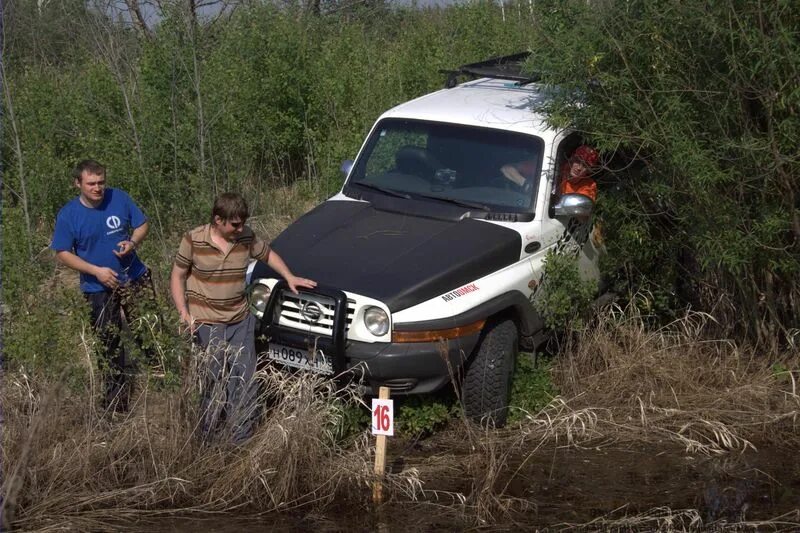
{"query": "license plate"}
[(299, 358)]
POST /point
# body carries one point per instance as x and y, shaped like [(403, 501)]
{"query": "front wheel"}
[(486, 388)]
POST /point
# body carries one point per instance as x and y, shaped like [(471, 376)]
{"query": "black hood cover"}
[(396, 258)]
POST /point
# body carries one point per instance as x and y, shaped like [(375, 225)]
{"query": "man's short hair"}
[(88, 165), (230, 205)]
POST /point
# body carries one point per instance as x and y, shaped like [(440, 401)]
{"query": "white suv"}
[(429, 258)]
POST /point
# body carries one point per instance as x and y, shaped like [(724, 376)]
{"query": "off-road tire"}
[(486, 388)]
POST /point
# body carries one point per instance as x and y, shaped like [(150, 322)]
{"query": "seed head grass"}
[(68, 461)]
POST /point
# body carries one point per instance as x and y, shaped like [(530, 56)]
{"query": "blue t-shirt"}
[(94, 233)]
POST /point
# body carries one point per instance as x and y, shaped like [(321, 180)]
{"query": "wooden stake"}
[(380, 457)]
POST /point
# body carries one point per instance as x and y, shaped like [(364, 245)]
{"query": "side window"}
[(565, 148)]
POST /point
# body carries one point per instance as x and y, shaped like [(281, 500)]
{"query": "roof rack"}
[(503, 67)]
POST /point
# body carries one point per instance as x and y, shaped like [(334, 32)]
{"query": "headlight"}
[(377, 321), (258, 297)]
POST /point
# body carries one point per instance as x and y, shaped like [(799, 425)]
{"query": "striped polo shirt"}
[(215, 282)]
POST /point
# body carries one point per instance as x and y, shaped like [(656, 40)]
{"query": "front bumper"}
[(406, 368), (412, 367)]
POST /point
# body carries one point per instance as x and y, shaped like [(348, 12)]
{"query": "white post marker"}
[(382, 426), (383, 417)]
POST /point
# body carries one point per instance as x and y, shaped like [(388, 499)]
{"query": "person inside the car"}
[(575, 176), (520, 174)]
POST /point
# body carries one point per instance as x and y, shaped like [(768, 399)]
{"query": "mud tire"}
[(486, 388)]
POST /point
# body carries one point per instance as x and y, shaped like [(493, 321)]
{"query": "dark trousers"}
[(106, 314), (228, 404)]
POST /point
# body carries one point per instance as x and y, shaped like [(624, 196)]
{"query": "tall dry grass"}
[(623, 383), (711, 395), (67, 462)]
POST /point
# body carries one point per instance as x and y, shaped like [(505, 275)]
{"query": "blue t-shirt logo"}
[(112, 222)]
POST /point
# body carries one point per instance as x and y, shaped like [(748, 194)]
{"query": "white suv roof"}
[(485, 102)]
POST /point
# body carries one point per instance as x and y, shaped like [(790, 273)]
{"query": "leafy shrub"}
[(352, 420), (48, 334), (697, 103), (532, 388), (415, 416), (423, 415), (565, 296)]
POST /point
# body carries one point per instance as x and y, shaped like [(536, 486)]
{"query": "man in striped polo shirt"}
[(207, 286)]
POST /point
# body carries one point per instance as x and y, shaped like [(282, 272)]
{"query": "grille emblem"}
[(311, 312)]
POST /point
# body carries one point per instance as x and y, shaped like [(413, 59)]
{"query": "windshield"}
[(493, 169)]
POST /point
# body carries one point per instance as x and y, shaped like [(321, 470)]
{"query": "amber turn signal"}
[(437, 334)]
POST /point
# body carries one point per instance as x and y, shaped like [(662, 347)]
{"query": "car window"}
[(390, 140), (497, 168)]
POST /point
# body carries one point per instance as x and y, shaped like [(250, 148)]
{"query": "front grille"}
[(290, 308)]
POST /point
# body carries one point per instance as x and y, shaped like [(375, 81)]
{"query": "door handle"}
[(532, 247)]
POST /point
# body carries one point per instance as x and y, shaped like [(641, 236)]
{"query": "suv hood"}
[(396, 258)]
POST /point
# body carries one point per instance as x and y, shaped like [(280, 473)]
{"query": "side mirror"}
[(346, 167), (573, 205)]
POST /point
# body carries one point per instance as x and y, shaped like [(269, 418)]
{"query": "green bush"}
[(532, 388), (415, 416), (267, 97), (423, 415), (352, 420), (565, 297), (47, 333), (696, 107)]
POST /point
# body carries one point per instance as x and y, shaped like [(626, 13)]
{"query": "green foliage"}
[(353, 419), (415, 416), (423, 415), (697, 108), (636, 246), (785, 375), (565, 296), (46, 333), (532, 388), (153, 343), (263, 98)]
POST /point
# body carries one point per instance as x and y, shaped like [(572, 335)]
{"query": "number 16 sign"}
[(382, 417)]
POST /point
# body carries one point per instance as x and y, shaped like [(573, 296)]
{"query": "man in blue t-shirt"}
[(97, 234)]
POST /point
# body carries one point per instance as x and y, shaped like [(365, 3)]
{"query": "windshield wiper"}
[(461, 203), (384, 190)]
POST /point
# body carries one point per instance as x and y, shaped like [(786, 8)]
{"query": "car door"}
[(562, 235)]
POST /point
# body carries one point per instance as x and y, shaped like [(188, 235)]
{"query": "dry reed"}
[(623, 382), (67, 462), (708, 394)]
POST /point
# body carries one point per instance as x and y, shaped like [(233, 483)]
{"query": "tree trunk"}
[(23, 189), (138, 19)]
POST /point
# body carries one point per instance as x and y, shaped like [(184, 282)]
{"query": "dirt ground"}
[(610, 486), (559, 487)]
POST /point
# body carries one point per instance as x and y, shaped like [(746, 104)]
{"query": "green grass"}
[(532, 388)]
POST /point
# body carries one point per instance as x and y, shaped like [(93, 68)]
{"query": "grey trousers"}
[(228, 404)]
